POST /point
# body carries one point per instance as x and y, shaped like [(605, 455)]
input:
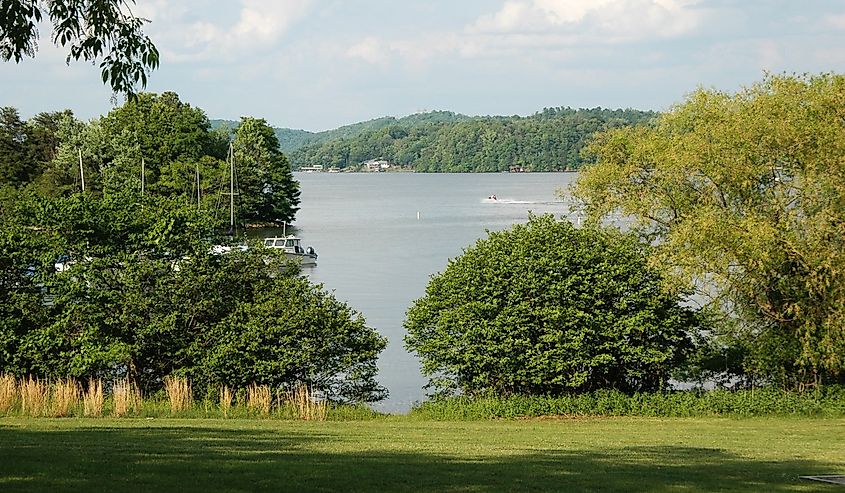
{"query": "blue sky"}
[(319, 64)]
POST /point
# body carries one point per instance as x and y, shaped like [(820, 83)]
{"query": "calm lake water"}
[(380, 237)]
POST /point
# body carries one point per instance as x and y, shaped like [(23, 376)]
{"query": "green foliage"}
[(113, 285), (827, 403), (172, 142), (745, 194), (93, 30), (268, 190), (26, 148), (291, 140), (546, 308), (443, 141), (160, 128), (296, 332)]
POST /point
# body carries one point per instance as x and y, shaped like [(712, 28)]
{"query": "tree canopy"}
[(545, 309), (745, 196), (111, 285), (92, 29), (160, 140), (268, 190), (550, 140)]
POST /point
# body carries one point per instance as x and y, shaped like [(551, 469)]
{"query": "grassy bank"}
[(403, 454)]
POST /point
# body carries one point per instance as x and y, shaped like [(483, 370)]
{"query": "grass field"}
[(404, 454)]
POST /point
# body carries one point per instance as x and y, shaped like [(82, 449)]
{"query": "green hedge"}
[(827, 402)]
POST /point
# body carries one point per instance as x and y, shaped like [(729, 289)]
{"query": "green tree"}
[(295, 332), (268, 191), (113, 284), (16, 165), (92, 29), (745, 194), (547, 308), (161, 129)]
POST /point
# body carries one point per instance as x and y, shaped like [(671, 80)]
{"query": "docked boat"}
[(292, 246)]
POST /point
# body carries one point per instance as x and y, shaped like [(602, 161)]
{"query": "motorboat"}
[(292, 246)]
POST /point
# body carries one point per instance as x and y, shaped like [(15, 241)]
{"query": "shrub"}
[(827, 402), (547, 308)]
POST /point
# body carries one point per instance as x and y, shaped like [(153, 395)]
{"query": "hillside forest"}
[(443, 141)]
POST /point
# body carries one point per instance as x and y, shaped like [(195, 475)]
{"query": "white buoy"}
[(418, 215)]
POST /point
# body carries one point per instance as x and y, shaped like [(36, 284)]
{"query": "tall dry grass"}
[(92, 399), (65, 397), (8, 392), (35, 397), (259, 399), (179, 393), (126, 397), (226, 400), (305, 405)]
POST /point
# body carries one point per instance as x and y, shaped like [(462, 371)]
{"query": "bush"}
[(546, 309), (141, 296), (828, 402)]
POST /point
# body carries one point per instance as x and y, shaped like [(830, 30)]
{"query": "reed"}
[(179, 393), (92, 399), (8, 393), (120, 398), (226, 400), (305, 406), (65, 397), (35, 397), (126, 398), (259, 399)]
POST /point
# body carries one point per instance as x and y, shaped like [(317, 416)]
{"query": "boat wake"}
[(521, 202)]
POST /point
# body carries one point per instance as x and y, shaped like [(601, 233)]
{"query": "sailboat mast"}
[(142, 176), (231, 187), (199, 192), (81, 170)]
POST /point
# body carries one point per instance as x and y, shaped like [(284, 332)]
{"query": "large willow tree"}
[(745, 195)]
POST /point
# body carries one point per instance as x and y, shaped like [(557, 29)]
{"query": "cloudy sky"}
[(318, 64)]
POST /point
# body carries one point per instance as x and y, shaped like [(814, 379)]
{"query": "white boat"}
[(292, 247)]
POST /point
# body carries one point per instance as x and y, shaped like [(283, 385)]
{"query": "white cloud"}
[(837, 21), (369, 49), (267, 20), (610, 20), (541, 29), (260, 25), (770, 57)]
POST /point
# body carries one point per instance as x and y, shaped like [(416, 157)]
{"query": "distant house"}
[(376, 165), (311, 169)]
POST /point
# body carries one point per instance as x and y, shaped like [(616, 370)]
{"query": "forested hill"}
[(443, 141), (550, 140), (291, 139)]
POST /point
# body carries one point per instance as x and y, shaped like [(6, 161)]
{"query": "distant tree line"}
[(550, 140)]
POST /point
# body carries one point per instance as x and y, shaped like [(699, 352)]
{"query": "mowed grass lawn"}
[(405, 454)]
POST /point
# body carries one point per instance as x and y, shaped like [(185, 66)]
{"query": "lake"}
[(380, 236)]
